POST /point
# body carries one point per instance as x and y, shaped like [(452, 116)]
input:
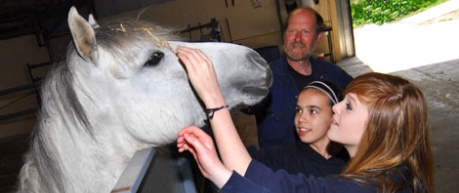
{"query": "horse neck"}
[(73, 141)]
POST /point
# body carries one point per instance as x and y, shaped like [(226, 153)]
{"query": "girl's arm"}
[(203, 78)]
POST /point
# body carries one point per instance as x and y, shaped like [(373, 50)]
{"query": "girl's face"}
[(313, 118), (349, 123)]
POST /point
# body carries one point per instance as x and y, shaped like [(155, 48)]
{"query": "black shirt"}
[(300, 158), (300, 79)]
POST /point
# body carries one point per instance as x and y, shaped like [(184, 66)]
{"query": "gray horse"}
[(120, 89)]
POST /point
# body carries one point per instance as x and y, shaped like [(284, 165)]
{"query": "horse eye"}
[(154, 59)]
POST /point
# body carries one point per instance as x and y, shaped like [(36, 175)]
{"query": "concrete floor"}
[(424, 49)]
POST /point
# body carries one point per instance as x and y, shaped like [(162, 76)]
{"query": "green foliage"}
[(382, 11)]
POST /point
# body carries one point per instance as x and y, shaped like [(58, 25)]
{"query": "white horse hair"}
[(120, 89)]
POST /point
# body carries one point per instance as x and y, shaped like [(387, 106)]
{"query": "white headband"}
[(330, 93)]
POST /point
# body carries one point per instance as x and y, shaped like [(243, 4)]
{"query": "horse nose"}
[(263, 67), (269, 77), (268, 74)]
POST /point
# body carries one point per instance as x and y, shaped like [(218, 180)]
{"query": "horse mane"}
[(55, 90)]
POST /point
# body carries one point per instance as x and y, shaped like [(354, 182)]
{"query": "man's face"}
[(300, 38)]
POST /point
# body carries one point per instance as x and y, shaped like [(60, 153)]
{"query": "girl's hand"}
[(202, 76), (201, 146)]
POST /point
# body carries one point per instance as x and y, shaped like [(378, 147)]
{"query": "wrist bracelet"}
[(210, 112)]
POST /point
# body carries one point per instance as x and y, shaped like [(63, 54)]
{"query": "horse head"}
[(119, 89)]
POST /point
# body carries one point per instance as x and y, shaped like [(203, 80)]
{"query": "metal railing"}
[(34, 86)]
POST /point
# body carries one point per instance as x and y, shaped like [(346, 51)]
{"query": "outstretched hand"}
[(201, 146), (202, 75)]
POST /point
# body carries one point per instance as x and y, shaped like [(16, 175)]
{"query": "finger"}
[(199, 145), (203, 137), (181, 146), (190, 54), (193, 57), (186, 59), (203, 57), (187, 130)]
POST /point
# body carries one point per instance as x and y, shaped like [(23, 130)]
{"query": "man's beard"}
[(295, 55)]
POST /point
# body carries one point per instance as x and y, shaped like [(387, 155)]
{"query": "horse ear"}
[(93, 22), (83, 36)]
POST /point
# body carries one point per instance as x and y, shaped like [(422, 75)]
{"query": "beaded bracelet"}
[(210, 112)]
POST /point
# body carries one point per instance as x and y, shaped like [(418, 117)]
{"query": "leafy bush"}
[(382, 11)]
